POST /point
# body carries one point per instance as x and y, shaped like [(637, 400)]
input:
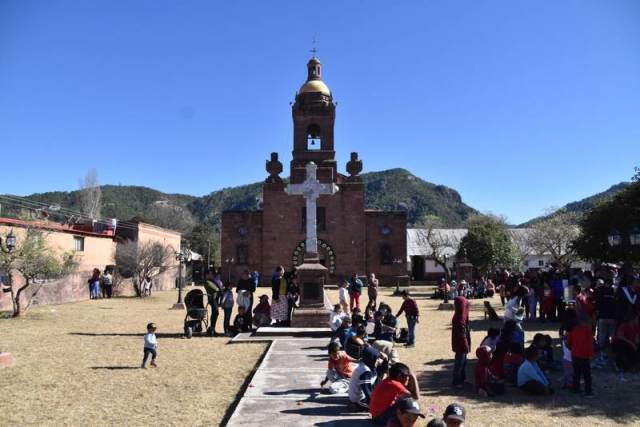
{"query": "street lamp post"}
[(10, 243), (181, 257), (229, 260), (616, 240), (397, 261), (446, 278), (10, 246)]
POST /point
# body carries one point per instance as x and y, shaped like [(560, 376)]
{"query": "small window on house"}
[(540, 263), (78, 244), (242, 254)]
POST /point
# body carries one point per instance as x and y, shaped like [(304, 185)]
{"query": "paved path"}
[(285, 390)]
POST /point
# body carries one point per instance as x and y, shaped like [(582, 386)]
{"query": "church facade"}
[(351, 239)]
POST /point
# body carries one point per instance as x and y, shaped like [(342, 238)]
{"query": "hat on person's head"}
[(346, 319), (463, 282), (453, 283), (455, 411), (264, 296), (599, 282), (443, 280), (408, 404), (378, 313)]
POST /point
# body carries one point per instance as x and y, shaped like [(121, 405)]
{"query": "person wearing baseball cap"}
[(407, 413), (455, 415)]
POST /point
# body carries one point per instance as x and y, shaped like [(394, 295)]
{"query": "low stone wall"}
[(74, 287)]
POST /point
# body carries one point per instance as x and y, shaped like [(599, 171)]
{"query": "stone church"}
[(351, 239)]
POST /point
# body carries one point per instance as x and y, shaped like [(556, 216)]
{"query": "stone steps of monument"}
[(270, 331)]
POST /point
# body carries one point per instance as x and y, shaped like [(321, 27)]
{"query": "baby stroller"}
[(198, 312)]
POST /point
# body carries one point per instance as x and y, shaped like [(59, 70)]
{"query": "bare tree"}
[(554, 235), (90, 195), (436, 242), (521, 242), (137, 259)]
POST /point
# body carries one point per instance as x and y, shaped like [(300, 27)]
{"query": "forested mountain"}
[(394, 189), (584, 204)]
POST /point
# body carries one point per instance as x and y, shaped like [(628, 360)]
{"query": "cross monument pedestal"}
[(314, 308)]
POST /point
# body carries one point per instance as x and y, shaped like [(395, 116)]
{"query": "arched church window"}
[(385, 255), (241, 254)]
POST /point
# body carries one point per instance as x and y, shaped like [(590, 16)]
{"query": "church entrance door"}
[(417, 267)]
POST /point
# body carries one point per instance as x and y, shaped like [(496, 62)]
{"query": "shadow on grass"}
[(115, 368), (614, 399), (113, 334)]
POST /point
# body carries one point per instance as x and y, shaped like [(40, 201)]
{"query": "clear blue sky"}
[(519, 106)]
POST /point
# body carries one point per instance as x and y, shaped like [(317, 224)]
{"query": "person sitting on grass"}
[(382, 331), (262, 313), (238, 323), (531, 379), (497, 359), (455, 415), (356, 316), (340, 335), (406, 414), (400, 383), (626, 343), (487, 384), (356, 341), (339, 370), (492, 338), (364, 379), (512, 361), (335, 317)]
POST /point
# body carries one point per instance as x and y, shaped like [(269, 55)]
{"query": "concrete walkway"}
[(285, 390)]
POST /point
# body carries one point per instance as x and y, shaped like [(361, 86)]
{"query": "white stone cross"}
[(311, 189)]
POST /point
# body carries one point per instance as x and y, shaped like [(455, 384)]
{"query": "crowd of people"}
[(363, 361), (598, 317)]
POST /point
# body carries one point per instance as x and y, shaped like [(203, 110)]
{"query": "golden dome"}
[(315, 86)]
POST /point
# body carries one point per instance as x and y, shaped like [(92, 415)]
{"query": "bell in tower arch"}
[(314, 138)]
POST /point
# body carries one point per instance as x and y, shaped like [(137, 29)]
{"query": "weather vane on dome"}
[(313, 48)]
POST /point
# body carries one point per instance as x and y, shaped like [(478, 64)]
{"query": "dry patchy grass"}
[(78, 364)]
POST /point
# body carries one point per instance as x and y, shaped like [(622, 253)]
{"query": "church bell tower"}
[(314, 116)]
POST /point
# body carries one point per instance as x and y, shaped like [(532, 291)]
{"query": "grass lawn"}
[(79, 364)]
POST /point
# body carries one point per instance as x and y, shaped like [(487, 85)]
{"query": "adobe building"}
[(92, 244), (350, 238)]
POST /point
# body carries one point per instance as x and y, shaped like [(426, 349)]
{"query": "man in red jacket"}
[(400, 383), (580, 342)]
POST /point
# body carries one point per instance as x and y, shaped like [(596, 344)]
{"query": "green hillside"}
[(395, 189), (584, 204)]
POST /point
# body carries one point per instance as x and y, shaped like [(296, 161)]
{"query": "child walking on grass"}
[(150, 346)]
